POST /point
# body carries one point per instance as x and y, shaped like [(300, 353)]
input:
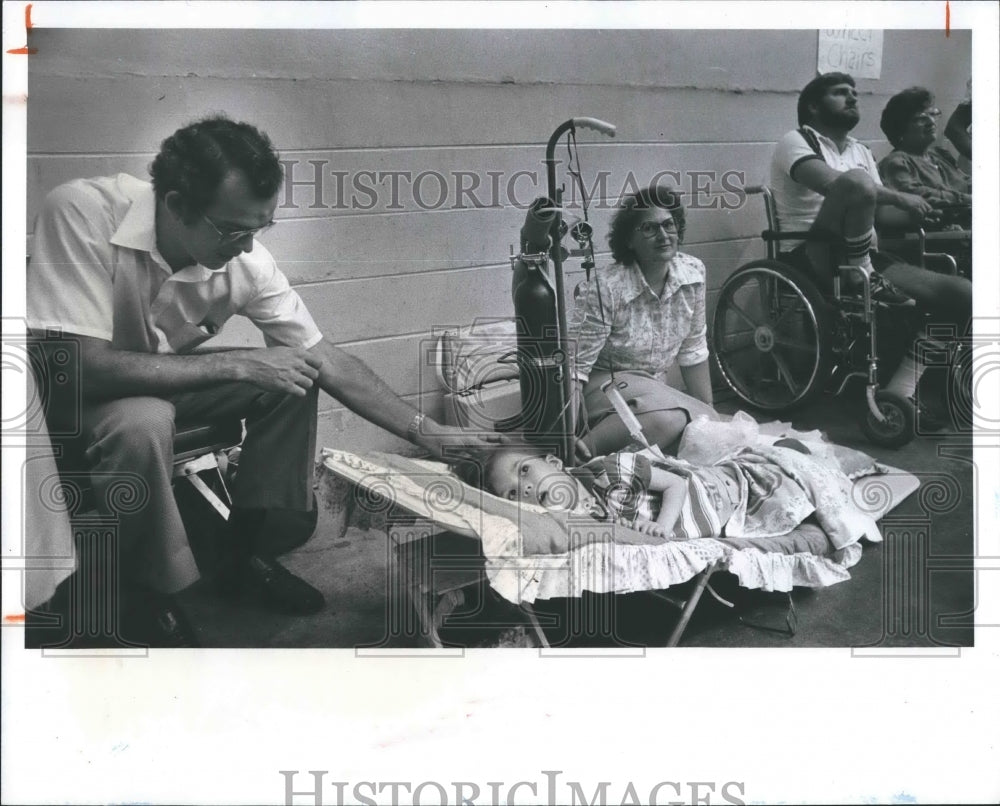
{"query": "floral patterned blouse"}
[(640, 330)]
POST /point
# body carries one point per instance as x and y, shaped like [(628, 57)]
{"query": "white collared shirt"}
[(798, 205), (96, 271)]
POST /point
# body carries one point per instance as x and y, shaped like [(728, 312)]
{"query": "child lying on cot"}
[(695, 501)]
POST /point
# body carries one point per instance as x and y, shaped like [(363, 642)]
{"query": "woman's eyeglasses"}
[(651, 229), (927, 116), (232, 237)]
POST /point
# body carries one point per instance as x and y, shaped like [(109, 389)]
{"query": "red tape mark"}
[(25, 51), (947, 19)]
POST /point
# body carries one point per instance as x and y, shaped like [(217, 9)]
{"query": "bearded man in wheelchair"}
[(826, 184)]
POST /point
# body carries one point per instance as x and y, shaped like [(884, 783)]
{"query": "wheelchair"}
[(778, 340)]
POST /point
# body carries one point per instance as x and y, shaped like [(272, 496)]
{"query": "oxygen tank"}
[(539, 305), (540, 357)]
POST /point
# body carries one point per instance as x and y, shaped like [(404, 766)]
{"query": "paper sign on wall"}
[(850, 50)]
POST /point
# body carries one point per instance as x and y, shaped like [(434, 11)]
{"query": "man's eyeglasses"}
[(927, 116), (650, 229), (231, 237)]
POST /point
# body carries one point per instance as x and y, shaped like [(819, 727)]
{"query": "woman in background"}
[(916, 165)]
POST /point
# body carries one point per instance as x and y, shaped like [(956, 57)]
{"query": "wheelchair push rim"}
[(770, 333)]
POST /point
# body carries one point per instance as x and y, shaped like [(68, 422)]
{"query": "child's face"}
[(534, 479)]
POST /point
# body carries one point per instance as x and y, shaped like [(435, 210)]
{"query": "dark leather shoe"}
[(48, 624), (156, 620), (171, 629), (274, 585), (77, 618)]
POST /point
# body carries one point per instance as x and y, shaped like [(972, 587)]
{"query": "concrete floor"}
[(914, 589)]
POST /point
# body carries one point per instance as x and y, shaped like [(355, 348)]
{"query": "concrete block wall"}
[(451, 117)]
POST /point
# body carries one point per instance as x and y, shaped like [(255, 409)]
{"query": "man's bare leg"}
[(848, 211)]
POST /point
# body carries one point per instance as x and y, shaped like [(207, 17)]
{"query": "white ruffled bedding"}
[(804, 557), (613, 568)]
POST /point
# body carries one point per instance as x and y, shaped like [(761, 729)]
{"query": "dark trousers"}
[(129, 450)]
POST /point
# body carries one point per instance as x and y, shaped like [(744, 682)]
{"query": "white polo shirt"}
[(96, 271), (796, 204)]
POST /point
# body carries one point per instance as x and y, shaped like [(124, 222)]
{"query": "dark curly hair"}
[(816, 89), (196, 158), (632, 208), (474, 468), (901, 109)]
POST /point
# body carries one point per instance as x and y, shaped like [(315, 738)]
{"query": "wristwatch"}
[(414, 428)]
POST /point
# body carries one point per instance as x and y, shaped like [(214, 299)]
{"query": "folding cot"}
[(437, 501)]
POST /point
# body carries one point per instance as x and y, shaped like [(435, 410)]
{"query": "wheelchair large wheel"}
[(771, 335)]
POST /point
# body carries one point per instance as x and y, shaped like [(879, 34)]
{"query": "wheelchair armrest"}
[(940, 262), (948, 235), (919, 239), (922, 235)]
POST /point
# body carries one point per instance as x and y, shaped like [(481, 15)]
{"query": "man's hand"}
[(934, 217), (918, 207), (280, 369), (447, 442)]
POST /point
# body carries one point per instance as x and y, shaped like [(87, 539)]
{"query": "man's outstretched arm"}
[(353, 383)]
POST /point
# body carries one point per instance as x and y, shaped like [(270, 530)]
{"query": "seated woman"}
[(746, 494), (916, 165), (635, 318)]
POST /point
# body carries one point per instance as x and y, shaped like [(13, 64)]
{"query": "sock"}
[(904, 382), (856, 251)]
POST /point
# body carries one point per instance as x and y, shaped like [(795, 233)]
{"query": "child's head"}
[(519, 474)]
